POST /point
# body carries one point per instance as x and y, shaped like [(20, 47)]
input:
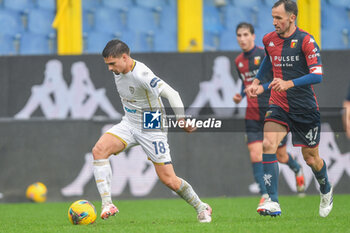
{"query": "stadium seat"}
[(119, 4), (18, 4), (334, 16), (40, 21), (269, 3), (88, 20), (108, 20), (341, 3), (168, 18), (10, 22), (235, 15), (245, 3), (211, 41), (7, 46), (32, 44), (46, 4), (141, 19), (333, 39), (150, 3), (212, 19), (228, 41), (165, 42), (90, 4), (96, 41)]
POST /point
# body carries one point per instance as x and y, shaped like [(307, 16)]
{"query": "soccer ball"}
[(82, 212), (36, 192)]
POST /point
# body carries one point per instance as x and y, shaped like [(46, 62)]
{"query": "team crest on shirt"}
[(268, 113), (257, 60), (131, 89), (294, 43)]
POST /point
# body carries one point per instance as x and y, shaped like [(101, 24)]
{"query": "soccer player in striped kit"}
[(247, 64), (295, 59)]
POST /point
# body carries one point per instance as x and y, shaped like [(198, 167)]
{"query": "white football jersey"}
[(139, 90)]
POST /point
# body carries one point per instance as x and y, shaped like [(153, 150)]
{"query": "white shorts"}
[(154, 143)]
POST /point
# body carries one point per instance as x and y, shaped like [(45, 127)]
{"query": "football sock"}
[(292, 163), (271, 173), (258, 171), (322, 179), (103, 176), (187, 193)]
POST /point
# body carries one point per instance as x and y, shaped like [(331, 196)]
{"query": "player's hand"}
[(260, 90), (281, 85), (237, 98), (252, 90), (187, 128)]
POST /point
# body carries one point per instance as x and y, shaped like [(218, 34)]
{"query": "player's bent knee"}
[(269, 146), (100, 152)]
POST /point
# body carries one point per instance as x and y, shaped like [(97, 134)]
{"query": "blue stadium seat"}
[(7, 46), (168, 18), (108, 20), (88, 20), (40, 21), (141, 19), (90, 4), (333, 39), (245, 3), (46, 4), (96, 41), (334, 16), (211, 41), (150, 3), (33, 44), (341, 3), (228, 41), (269, 3), (120, 4), (138, 41), (10, 22), (212, 19), (235, 15), (18, 4), (165, 42)]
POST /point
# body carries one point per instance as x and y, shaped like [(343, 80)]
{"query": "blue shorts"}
[(305, 127), (255, 132)]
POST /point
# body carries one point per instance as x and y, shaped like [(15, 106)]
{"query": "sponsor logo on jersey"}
[(294, 43), (154, 82), (152, 119), (271, 44), (132, 90), (311, 40), (257, 60), (130, 110), (240, 65)]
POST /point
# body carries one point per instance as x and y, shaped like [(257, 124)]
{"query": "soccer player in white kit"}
[(140, 89)]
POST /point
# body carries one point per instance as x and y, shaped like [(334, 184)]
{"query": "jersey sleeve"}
[(312, 55), (150, 82)]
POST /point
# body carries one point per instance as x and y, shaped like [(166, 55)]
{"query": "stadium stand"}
[(153, 23)]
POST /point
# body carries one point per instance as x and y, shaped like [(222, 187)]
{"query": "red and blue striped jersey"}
[(291, 58), (247, 65)]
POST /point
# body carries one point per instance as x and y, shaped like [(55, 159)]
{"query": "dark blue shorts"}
[(255, 132), (305, 127)]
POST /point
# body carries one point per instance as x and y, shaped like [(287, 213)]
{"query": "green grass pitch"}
[(174, 215)]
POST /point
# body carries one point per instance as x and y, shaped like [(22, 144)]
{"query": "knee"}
[(282, 157), (99, 151), (255, 156), (310, 161), (269, 146)]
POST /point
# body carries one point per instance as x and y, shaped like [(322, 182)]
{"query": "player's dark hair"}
[(289, 6), (245, 25), (115, 48)]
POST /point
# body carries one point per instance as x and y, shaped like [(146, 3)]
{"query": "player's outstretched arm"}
[(176, 104)]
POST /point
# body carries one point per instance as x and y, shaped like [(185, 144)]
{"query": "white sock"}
[(187, 193), (103, 176)]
